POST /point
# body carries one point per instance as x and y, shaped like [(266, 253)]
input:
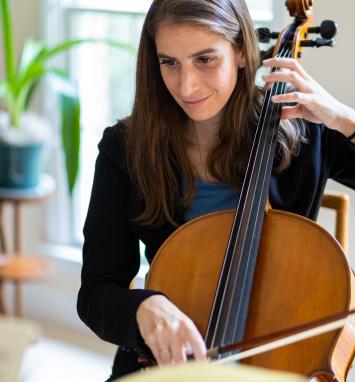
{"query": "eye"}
[(169, 63), (205, 60)]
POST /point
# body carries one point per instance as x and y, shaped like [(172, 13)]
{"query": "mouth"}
[(195, 103)]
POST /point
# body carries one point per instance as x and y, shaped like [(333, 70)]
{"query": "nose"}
[(189, 82)]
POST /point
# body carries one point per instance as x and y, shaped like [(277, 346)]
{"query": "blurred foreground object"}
[(195, 372), (15, 335)]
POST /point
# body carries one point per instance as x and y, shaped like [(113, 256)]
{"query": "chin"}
[(201, 117)]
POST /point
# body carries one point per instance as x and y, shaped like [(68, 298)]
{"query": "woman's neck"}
[(201, 138), (203, 134)]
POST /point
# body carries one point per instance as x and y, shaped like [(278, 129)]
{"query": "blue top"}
[(211, 197)]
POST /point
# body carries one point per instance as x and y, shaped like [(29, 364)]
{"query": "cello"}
[(245, 273)]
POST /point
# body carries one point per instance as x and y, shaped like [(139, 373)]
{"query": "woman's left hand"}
[(313, 102)]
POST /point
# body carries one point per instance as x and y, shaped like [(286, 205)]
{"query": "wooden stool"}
[(17, 266)]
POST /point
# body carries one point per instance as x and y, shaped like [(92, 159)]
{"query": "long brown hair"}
[(156, 129)]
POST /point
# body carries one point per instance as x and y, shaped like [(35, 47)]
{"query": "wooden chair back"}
[(340, 202)]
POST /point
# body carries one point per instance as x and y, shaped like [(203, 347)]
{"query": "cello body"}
[(301, 275)]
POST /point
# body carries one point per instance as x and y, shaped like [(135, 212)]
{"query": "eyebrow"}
[(199, 53)]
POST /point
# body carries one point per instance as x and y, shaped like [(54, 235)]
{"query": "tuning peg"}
[(318, 43), (328, 29), (265, 35)]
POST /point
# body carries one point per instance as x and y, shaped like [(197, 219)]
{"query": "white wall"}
[(334, 67)]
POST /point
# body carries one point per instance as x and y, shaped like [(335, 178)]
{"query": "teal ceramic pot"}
[(20, 166)]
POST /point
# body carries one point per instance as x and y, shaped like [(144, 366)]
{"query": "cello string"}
[(266, 99), (261, 176), (270, 114), (260, 132), (241, 210)]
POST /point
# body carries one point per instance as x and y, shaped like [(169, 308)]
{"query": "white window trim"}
[(131, 6), (140, 7)]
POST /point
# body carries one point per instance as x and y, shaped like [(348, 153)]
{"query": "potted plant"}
[(22, 134)]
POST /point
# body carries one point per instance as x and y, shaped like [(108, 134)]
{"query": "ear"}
[(241, 59)]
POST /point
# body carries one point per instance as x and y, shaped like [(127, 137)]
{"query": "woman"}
[(187, 141)]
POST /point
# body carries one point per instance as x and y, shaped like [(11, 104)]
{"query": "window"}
[(105, 76)]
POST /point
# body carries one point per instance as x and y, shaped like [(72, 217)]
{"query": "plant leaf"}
[(30, 92), (9, 48), (70, 129), (3, 90), (34, 73), (70, 124), (30, 53), (8, 97), (23, 89)]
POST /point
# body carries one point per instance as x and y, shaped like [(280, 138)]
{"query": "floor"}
[(54, 361)]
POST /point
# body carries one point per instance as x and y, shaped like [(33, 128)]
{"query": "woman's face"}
[(199, 68)]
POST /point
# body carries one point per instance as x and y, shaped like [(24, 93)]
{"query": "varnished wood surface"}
[(299, 9), (340, 203)]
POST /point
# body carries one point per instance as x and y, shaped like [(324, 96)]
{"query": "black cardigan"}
[(111, 252)]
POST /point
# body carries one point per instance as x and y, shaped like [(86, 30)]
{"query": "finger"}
[(297, 97), (178, 349), (291, 112), (193, 337), (163, 342), (300, 111), (188, 348), (165, 356), (286, 63), (288, 77), (153, 346), (268, 85), (176, 341)]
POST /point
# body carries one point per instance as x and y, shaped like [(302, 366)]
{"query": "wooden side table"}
[(17, 266)]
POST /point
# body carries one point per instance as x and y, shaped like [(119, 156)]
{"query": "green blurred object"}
[(20, 81)]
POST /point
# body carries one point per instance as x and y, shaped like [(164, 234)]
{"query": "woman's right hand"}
[(168, 332)]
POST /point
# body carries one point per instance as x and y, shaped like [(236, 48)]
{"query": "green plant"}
[(20, 81)]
